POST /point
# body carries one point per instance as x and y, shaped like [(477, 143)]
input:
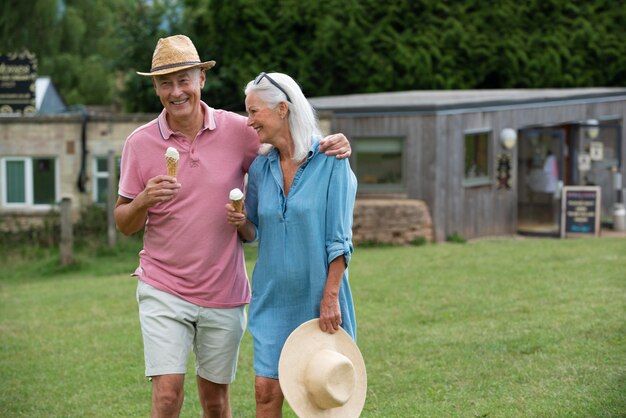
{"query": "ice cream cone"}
[(236, 198), (172, 166), (238, 205), (171, 161)]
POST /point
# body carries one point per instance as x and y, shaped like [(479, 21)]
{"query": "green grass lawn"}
[(491, 328)]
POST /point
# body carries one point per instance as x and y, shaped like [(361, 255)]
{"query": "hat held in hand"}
[(322, 374), (175, 53)]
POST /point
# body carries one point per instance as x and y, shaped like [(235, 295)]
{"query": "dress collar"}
[(313, 149)]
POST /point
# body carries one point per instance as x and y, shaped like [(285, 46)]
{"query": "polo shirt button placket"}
[(194, 162)]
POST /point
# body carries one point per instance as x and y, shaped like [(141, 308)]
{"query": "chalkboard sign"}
[(18, 74), (580, 211)]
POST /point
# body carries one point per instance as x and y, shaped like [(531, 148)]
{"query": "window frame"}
[(385, 187), (98, 175), (488, 179), (29, 189)]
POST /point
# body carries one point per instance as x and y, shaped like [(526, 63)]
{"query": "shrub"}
[(455, 238), (419, 241)]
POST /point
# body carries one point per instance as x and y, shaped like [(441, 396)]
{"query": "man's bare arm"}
[(131, 214)]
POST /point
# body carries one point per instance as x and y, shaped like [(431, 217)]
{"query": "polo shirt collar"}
[(208, 123)]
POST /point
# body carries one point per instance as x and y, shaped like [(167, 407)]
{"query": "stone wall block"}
[(395, 221)]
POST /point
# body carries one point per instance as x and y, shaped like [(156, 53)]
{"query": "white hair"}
[(303, 123)]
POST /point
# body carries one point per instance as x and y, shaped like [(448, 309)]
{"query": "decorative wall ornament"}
[(503, 171)]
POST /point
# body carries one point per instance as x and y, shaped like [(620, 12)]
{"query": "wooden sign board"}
[(580, 211)]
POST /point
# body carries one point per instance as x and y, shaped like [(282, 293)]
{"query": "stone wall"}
[(395, 221)]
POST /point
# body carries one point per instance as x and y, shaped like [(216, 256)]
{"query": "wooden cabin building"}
[(486, 162)]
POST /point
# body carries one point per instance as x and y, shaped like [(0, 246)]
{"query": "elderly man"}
[(192, 287)]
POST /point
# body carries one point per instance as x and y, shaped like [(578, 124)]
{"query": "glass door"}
[(541, 167), (596, 158)]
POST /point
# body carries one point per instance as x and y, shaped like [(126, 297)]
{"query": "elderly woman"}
[(299, 205)]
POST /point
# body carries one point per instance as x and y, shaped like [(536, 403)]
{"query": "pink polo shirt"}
[(189, 248)]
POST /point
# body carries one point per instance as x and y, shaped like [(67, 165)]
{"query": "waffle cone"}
[(172, 166), (238, 205)]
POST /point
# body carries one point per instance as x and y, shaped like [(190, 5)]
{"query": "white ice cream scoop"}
[(172, 152), (236, 194)]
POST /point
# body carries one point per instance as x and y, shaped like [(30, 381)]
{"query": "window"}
[(101, 178), (477, 170), (15, 181), (29, 182), (379, 164)]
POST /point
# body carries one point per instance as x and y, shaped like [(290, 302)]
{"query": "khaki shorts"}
[(171, 326)]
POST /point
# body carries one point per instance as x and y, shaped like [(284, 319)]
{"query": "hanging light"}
[(592, 130), (508, 138)]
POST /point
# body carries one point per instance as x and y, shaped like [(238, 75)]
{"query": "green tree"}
[(76, 42), (139, 29), (31, 25), (92, 48)]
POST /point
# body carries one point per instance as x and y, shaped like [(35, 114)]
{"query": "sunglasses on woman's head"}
[(258, 79)]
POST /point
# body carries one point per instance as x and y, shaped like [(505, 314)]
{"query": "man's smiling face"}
[(180, 92)]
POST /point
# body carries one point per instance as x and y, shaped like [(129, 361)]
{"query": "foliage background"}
[(91, 48)]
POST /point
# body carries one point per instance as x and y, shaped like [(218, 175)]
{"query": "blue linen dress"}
[(299, 235)]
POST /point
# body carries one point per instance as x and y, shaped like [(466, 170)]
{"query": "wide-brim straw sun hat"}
[(322, 374), (175, 53)]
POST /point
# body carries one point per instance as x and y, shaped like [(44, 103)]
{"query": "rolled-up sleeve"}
[(339, 211)]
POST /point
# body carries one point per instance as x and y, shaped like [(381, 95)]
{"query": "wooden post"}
[(111, 198), (67, 232)]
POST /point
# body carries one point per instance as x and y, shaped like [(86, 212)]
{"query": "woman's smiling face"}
[(266, 122)]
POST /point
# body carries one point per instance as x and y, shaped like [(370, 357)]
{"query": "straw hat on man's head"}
[(322, 374), (175, 53)]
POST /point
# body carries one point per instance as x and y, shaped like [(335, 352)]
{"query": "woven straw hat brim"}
[(178, 67)]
